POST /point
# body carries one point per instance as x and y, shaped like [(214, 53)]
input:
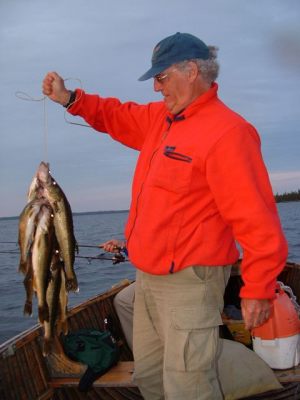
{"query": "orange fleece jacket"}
[(200, 185)]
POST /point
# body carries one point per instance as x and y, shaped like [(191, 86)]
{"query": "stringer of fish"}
[(47, 253)]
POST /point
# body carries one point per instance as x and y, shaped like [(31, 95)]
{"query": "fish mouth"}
[(43, 173)]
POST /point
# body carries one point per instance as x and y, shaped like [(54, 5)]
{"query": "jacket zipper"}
[(149, 166), (171, 270)]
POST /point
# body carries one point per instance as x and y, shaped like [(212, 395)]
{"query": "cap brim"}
[(153, 71)]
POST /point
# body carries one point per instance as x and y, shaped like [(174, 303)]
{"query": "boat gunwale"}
[(21, 339)]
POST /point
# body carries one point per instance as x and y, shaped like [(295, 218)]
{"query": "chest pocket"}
[(172, 170)]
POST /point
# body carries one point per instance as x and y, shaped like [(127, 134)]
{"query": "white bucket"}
[(279, 353)]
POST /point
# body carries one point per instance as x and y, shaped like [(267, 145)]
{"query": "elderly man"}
[(200, 185)]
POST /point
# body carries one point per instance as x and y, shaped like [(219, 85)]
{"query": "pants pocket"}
[(192, 342)]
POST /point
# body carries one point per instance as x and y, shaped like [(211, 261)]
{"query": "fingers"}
[(255, 312), (53, 86), (112, 246), (255, 321), (47, 85)]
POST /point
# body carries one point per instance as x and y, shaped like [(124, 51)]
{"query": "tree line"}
[(291, 196)]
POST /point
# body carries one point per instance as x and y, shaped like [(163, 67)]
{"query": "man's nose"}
[(157, 85)]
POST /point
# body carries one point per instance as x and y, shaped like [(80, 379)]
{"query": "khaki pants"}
[(123, 303), (175, 330)]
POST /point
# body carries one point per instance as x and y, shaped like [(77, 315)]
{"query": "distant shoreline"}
[(80, 213), (290, 196), (279, 198)]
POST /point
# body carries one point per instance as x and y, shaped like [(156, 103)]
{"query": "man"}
[(200, 184)]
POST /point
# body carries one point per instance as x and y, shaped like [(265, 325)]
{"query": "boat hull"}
[(26, 374)]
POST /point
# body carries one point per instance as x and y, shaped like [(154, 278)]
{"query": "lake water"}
[(93, 276)]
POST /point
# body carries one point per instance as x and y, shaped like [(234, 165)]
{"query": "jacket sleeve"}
[(127, 123), (240, 185)]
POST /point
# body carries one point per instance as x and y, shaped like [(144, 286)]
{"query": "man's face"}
[(176, 88)]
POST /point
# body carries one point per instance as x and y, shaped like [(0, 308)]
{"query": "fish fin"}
[(43, 313), (55, 207), (27, 282), (28, 308), (23, 267)]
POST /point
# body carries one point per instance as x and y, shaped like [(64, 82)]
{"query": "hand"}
[(113, 246), (54, 88), (255, 312)]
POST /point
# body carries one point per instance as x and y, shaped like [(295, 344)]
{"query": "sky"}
[(104, 46)]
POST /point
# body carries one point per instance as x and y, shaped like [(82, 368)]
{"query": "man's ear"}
[(193, 71)]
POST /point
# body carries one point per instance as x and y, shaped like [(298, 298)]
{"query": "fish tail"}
[(43, 313), (47, 346), (29, 293), (62, 327), (72, 285)]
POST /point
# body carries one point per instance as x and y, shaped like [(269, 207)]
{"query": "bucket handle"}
[(293, 298)]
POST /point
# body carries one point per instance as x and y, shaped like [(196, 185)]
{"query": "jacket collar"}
[(199, 102)]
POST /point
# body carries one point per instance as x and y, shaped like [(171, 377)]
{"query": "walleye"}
[(57, 299), (42, 250), (27, 226), (53, 300), (62, 323), (28, 285), (63, 222)]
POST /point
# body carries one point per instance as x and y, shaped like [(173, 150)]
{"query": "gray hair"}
[(209, 69)]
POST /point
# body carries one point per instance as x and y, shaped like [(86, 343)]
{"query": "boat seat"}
[(119, 375)]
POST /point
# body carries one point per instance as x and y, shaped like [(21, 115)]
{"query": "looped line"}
[(27, 97), (75, 101)]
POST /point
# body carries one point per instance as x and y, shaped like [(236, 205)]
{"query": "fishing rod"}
[(116, 258), (79, 245)]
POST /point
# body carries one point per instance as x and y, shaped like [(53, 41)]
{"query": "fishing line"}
[(45, 130), (25, 96), (75, 101)]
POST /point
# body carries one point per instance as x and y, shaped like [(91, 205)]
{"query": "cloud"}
[(108, 47)]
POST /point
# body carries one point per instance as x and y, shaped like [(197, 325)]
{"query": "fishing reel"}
[(117, 258)]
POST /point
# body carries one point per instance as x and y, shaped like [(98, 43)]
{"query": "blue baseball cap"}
[(173, 49)]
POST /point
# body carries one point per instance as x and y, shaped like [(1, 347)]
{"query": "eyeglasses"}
[(161, 77)]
